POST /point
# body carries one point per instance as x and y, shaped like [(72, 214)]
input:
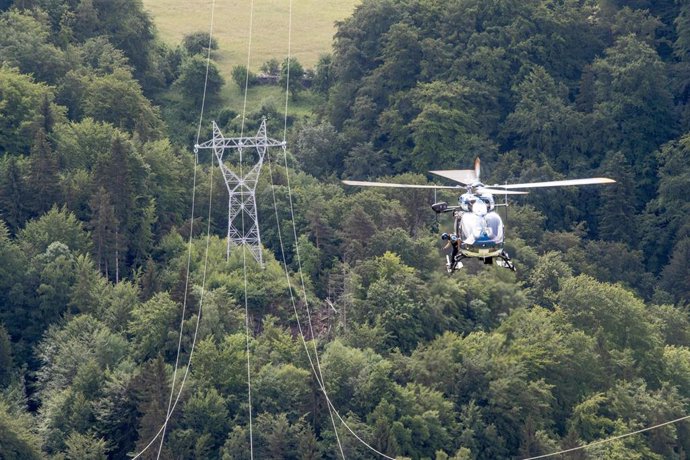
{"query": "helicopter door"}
[(488, 228), (470, 228), (495, 226)]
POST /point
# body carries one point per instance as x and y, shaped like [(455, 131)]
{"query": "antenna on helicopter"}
[(436, 201), (505, 202)]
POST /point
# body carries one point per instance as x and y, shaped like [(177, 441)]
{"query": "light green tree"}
[(151, 323), (20, 100), (117, 98), (18, 436), (58, 224), (27, 45), (86, 447)]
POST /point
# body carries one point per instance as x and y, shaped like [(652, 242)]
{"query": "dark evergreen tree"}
[(152, 391), (121, 173), (86, 20), (617, 219), (103, 226), (7, 367), (116, 412), (46, 116), (666, 217), (13, 289), (13, 194), (43, 178), (675, 275)]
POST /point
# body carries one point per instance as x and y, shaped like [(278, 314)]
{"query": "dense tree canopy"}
[(109, 285)]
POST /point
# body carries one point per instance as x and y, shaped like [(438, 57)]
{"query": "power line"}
[(196, 328), (318, 373), (299, 262), (171, 404), (611, 439), (244, 249), (191, 233)]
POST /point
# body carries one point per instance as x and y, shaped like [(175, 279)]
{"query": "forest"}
[(113, 268)]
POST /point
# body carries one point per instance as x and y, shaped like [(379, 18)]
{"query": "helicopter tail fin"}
[(461, 176)]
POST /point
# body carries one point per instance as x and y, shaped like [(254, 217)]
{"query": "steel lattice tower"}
[(242, 187)]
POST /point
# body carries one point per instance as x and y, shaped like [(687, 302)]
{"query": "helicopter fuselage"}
[(480, 232)]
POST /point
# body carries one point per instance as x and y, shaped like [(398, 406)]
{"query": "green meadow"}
[(311, 34)]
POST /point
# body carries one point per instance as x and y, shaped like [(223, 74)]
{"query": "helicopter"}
[(478, 228)]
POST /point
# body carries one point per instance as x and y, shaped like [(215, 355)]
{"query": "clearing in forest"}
[(313, 26)]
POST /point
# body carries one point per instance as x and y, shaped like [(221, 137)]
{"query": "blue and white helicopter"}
[(478, 229)]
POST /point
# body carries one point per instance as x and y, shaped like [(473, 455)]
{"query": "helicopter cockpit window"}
[(494, 226), (488, 200), (465, 202), (479, 207)]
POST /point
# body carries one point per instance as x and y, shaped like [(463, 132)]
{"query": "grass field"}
[(313, 26)]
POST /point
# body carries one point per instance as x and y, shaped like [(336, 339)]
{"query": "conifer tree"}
[(43, 174), (674, 277), (87, 19), (153, 391), (6, 364), (617, 220), (13, 193), (103, 226)]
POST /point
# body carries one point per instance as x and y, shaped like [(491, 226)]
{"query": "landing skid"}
[(503, 260), (456, 264)]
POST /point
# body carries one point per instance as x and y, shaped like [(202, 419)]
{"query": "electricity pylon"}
[(242, 186)]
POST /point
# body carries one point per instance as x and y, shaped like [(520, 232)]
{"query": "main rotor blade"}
[(388, 184), (559, 183), (497, 191), (461, 176)]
